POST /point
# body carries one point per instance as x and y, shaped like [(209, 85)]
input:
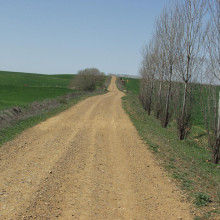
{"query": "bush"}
[(88, 79)]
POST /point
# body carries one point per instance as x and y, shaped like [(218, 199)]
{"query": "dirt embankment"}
[(86, 163)]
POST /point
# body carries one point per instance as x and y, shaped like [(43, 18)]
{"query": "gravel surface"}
[(88, 162)]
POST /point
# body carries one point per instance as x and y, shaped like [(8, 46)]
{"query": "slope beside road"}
[(88, 162)]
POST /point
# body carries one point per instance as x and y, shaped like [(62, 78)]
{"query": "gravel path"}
[(88, 162)]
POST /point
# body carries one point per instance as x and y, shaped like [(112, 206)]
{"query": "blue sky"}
[(64, 36)]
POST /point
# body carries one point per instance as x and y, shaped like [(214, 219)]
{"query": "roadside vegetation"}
[(187, 161), (26, 99), (180, 70)]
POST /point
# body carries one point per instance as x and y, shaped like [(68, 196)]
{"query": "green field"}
[(21, 89), (186, 161), (132, 85)]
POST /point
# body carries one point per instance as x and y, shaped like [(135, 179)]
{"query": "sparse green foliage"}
[(201, 199)]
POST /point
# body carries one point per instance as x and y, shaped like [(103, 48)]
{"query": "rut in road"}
[(86, 163)]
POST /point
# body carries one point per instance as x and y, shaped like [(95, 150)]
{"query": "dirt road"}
[(86, 163)]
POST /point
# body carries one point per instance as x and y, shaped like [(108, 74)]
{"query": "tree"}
[(212, 38), (88, 79), (189, 23), (158, 61), (167, 34), (147, 72), (209, 93)]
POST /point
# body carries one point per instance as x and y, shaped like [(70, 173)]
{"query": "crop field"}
[(20, 89)]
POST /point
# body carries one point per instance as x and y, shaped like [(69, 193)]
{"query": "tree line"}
[(184, 55)]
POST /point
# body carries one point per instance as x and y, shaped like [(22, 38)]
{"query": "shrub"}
[(88, 79)]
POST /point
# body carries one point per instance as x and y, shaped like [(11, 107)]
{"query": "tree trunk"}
[(217, 143), (216, 152), (166, 120), (218, 126), (182, 122), (150, 98), (159, 102)]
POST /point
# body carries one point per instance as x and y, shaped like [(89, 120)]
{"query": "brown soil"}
[(86, 163)]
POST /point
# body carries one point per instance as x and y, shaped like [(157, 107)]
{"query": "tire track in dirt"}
[(86, 163)]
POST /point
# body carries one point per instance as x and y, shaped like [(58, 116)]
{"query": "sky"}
[(65, 36)]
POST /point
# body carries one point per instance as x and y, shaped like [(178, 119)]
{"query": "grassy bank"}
[(186, 161), (20, 125)]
